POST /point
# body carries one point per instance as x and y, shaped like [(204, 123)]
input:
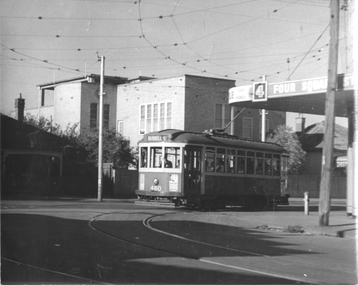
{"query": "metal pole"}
[(100, 133), (263, 119), (307, 200)]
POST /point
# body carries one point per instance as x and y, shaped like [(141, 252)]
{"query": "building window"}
[(93, 115), (120, 127), (162, 116), (169, 115), (222, 115), (155, 117), (247, 130), (142, 120)]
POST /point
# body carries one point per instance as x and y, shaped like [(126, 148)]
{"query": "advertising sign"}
[(259, 91)]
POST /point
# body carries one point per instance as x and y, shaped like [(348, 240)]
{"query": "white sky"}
[(49, 40)]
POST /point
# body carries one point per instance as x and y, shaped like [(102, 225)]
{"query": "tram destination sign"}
[(157, 138)]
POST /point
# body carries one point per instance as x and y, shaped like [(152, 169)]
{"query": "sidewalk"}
[(292, 218)]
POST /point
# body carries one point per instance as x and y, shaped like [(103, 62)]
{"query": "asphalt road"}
[(82, 242)]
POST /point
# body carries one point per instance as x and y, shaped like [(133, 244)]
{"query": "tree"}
[(285, 137), (116, 149), (82, 148), (42, 123)]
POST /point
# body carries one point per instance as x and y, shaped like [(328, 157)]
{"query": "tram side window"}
[(144, 157), (250, 162), (192, 159), (268, 164), (156, 157), (259, 165), (172, 157), (276, 165), (241, 161), (220, 160), (209, 159), (230, 161)]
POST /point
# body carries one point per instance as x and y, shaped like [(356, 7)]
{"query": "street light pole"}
[(100, 133)]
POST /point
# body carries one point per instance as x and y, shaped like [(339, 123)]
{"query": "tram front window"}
[(144, 157), (172, 157), (156, 157)]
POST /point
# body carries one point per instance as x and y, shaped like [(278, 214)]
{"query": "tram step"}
[(154, 203)]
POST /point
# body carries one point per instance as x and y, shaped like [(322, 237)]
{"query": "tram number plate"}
[(155, 188)]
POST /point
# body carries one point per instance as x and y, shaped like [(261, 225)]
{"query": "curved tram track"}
[(147, 223)]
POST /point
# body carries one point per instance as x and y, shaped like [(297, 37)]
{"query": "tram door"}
[(192, 170)]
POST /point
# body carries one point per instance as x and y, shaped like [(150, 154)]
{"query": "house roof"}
[(19, 135), (91, 78), (313, 137)]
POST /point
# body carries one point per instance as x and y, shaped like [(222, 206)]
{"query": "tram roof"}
[(209, 138)]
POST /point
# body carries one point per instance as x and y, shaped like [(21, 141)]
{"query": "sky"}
[(42, 41)]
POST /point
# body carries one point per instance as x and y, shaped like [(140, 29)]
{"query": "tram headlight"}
[(156, 181)]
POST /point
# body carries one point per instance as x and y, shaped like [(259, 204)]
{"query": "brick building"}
[(137, 106), (76, 101), (187, 102)]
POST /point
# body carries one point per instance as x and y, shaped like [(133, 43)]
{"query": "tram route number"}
[(155, 188)]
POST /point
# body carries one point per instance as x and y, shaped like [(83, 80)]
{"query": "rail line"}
[(146, 223)]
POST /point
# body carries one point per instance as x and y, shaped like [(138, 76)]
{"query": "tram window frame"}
[(231, 160), (250, 162), (209, 159), (241, 161), (220, 160), (173, 154), (268, 164), (259, 163), (156, 155), (276, 165), (144, 157)]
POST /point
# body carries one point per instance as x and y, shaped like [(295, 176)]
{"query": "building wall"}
[(201, 95), (47, 112), (131, 96), (89, 94), (67, 104)]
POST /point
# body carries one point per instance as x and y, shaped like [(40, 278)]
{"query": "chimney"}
[(300, 124), (19, 108)]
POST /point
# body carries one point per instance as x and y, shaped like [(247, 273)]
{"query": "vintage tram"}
[(211, 170)]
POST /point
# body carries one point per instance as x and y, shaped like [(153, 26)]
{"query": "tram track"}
[(54, 271), (147, 224)]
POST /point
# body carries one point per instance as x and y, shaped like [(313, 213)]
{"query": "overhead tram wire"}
[(186, 44), (41, 60), (308, 52)]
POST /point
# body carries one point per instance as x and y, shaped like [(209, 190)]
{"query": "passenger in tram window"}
[(219, 165), (167, 163), (209, 165), (144, 157), (178, 164), (259, 167)]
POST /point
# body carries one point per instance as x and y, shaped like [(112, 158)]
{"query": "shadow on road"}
[(60, 250)]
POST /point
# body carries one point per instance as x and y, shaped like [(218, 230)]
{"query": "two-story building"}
[(135, 107)]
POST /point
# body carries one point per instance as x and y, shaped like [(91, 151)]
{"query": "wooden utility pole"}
[(327, 154), (353, 8), (100, 134)]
